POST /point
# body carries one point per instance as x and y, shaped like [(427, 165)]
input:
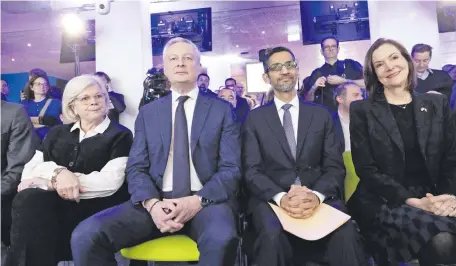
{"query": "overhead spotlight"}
[(29, 44), (237, 45), (12, 59), (263, 32), (73, 25)]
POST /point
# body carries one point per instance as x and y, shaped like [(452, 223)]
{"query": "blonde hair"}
[(178, 40), (75, 87)]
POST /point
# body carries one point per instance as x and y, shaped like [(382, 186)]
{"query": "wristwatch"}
[(204, 202)]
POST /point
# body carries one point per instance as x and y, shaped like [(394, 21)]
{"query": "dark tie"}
[(181, 161), (289, 133)]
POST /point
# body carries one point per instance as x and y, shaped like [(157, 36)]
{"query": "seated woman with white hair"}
[(78, 172)]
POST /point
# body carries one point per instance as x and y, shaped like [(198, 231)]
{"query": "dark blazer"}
[(118, 102), (339, 131), (215, 149), (242, 108), (268, 164), (439, 81), (19, 142), (378, 151)]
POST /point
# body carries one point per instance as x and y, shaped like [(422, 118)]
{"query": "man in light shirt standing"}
[(291, 158), (183, 173)]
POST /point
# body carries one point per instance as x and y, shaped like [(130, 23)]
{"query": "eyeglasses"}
[(37, 84), (278, 66), (330, 47), (86, 99)]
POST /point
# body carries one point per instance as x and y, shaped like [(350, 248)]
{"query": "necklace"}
[(403, 106)]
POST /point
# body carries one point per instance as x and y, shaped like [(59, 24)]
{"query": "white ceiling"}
[(234, 24)]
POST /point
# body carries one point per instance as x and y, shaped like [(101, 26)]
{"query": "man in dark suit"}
[(344, 95), (429, 80), (203, 84), (291, 158), (182, 173), (19, 143), (242, 106)]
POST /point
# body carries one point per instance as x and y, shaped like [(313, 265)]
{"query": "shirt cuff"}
[(320, 196), (278, 197)]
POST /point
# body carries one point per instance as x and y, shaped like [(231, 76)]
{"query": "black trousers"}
[(7, 202), (275, 247), (42, 223), (95, 240)]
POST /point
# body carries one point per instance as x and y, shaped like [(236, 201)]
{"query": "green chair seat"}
[(168, 248), (351, 179)]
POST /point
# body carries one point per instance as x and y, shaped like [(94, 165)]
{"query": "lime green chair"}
[(351, 179), (177, 248)]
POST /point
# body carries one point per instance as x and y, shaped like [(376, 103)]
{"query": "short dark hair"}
[(341, 90), (373, 85), (37, 72), (102, 74), (29, 95), (271, 51), (422, 48), (230, 79), (204, 75), (329, 38)]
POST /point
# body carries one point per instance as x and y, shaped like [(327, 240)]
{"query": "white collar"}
[(193, 94), (279, 104), (100, 129), (342, 118)]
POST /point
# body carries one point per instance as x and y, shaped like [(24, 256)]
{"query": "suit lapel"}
[(304, 121), (384, 116), (272, 118), (422, 111), (164, 115), (202, 106)]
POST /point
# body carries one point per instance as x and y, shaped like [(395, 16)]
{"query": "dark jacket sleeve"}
[(118, 102), (140, 184), (257, 183), (447, 86), (48, 120), (224, 183), (331, 182), (447, 180), (312, 79), (377, 182), (23, 142)]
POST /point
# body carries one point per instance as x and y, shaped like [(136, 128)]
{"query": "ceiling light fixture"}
[(29, 44)]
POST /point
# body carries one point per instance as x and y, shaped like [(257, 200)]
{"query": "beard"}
[(285, 87)]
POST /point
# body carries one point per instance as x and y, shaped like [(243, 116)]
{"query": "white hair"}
[(75, 87), (178, 40)]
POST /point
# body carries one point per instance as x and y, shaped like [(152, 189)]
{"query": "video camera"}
[(155, 85)]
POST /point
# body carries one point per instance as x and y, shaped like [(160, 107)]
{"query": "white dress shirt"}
[(425, 74), (294, 111), (96, 184), (189, 107), (345, 123)]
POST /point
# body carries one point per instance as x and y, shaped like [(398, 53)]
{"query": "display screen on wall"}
[(194, 24), (446, 16), (346, 20)]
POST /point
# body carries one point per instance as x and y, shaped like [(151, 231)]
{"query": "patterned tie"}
[(181, 159), (289, 133)]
